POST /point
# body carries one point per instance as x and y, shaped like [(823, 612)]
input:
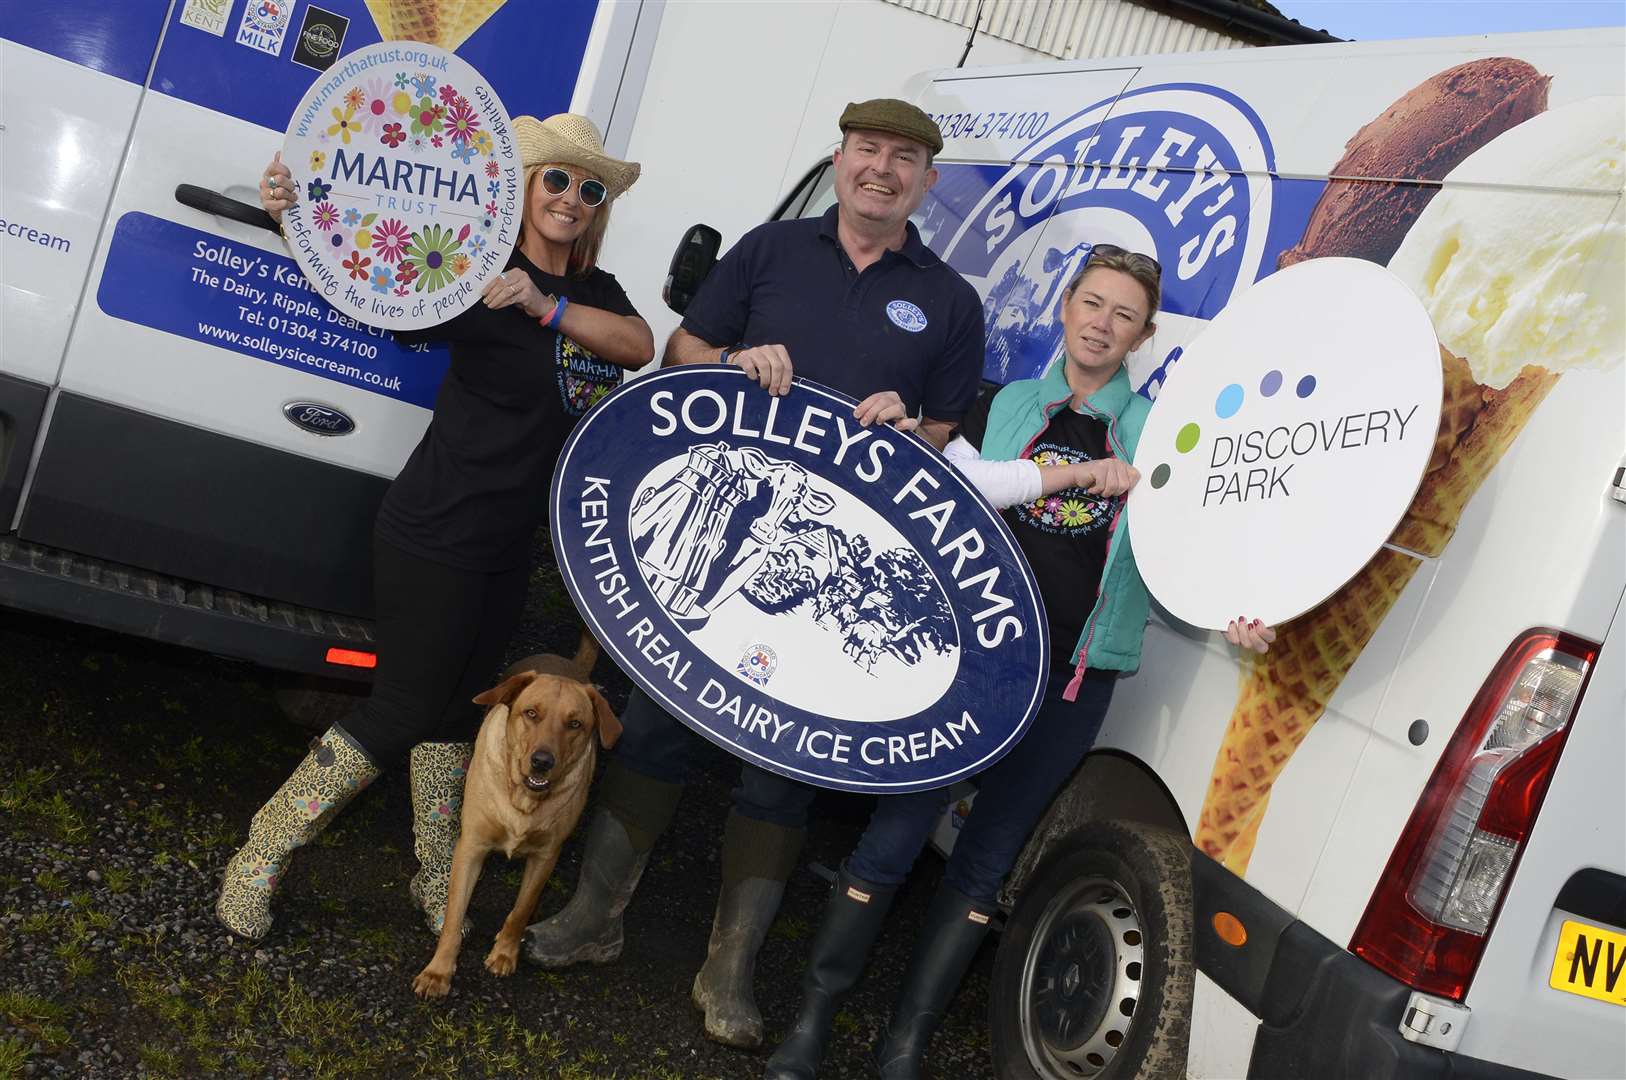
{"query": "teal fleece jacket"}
[(1018, 415)]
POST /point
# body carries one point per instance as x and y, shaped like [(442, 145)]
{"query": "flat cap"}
[(893, 117)]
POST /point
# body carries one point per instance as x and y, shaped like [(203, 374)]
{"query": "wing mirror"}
[(696, 254)]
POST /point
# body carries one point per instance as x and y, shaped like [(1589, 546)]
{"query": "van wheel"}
[(316, 703), (1093, 978)]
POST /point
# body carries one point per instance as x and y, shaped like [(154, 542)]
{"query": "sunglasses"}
[(591, 192), (1134, 258)]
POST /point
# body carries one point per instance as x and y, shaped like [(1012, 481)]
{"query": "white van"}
[(1396, 845), (192, 445)]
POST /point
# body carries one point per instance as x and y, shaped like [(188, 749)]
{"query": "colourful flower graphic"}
[(461, 123), (393, 136), (355, 98), (375, 105), (436, 141), (319, 159), (352, 217), (491, 208), (417, 143), (424, 84), (430, 253), (492, 168), (477, 244), (358, 265), (492, 187), (381, 279), (406, 273), (483, 143), (464, 152), (401, 290), (448, 93), (344, 124), (401, 103), (364, 239), (1075, 513), (390, 239), (339, 241), (427, 118), (325, 216), (460, 264), (317, 191), (401, 80)]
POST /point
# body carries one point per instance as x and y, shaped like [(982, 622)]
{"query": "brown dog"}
[(526, 787)]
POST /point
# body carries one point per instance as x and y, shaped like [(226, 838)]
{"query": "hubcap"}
[(1081, 980)]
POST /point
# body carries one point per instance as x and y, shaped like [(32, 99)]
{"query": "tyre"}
[(1093, 978)]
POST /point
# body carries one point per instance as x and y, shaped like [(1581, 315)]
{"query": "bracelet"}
[(723, 355), (557, 313)]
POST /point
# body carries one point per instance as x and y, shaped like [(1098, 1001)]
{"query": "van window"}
[(812, 197)]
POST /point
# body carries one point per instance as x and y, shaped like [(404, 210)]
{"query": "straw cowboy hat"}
[(569, 139)]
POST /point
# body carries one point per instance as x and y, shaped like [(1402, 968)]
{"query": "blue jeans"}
[(1011, 797), (655, 745)]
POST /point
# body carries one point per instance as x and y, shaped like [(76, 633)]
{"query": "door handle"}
[(218, 205)]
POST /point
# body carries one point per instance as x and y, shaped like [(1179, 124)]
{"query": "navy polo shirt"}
[(907, 323)]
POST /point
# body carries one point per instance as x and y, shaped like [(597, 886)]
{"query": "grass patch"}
[(117, 879), (13, 1056), (42, 1018)]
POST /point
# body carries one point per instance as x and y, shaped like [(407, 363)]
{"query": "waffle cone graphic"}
[(446, 23), (1285, 691)]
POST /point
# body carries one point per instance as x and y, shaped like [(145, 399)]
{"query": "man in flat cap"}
[(856, 301)]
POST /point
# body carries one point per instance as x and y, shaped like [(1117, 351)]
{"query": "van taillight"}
[(1429, 916)]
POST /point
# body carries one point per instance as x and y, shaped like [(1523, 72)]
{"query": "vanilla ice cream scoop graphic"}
[(1518, 260), (1512, 277)]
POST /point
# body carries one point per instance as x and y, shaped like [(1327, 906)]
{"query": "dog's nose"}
[(541, 761)]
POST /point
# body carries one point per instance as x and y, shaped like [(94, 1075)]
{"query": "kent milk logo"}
[(1179, 172), (828, 601), (265, 24), (1283, 450)]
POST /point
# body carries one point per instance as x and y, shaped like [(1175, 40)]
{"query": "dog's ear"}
[(507, 690), (609, 725)]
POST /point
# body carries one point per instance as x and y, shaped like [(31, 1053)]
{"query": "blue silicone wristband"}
[(558, 313)]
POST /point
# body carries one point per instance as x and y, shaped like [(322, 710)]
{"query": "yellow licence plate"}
[(1591, 962)]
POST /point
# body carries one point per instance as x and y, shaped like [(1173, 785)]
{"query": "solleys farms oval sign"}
[(832, 602), (409, 185)]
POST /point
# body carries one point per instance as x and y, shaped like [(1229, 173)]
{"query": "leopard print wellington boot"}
[(334, 771)]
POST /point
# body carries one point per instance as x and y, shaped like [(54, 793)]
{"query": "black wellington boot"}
[(851, 924), (954, 929)]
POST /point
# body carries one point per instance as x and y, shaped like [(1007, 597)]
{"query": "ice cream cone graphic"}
[(447, 23), (1514, 306)]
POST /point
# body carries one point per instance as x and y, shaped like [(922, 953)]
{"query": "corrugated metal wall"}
[(1071, 29)]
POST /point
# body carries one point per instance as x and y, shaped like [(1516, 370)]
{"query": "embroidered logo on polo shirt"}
[(906, 316)]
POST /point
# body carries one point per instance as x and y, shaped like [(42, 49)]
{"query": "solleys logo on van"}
[(829, 601), (408, 185), (1174, 171)]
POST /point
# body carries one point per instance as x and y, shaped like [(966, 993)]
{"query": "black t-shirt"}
[(908, 323), (1063, 535), (476, 488)]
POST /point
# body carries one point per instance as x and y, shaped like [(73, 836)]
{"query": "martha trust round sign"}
[(828, 601), (409, 185), (1286, 444)]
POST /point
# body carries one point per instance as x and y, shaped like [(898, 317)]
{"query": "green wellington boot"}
[(331, 775), (954, 929), (851, 924), (437, 772), (634, 810), (757, 859)]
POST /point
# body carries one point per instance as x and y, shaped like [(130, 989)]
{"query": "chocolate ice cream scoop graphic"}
[(1520, 288)]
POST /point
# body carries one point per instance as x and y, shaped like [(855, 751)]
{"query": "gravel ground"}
[(129, 773)]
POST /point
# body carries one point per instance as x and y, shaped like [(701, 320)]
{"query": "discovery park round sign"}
[(832, 602)]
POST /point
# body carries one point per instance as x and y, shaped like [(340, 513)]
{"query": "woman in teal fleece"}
[(1054, 453)]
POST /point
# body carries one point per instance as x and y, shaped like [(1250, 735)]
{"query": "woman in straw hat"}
[(452, 540)]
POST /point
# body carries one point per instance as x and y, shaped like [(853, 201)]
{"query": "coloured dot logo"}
[(1284, 447)]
